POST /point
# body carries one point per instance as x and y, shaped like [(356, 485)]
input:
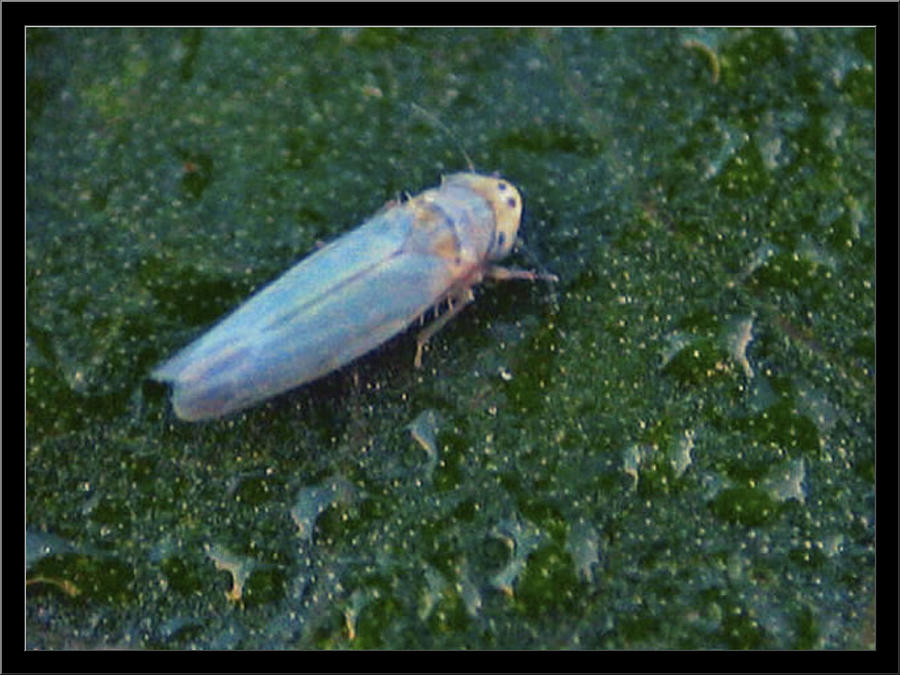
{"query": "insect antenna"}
[(443, 127)]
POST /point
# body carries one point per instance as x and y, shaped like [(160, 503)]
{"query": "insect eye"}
[(501, 186), (511, 202)]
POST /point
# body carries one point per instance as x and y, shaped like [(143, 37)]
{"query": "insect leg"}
[(464, 299), (506, 274)]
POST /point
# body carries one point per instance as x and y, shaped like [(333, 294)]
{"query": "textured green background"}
[(609, 470)]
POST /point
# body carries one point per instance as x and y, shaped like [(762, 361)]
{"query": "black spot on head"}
[(501, 186), (501, 239), (511, 202)]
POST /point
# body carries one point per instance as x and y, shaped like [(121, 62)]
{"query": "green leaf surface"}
[(672, 447)]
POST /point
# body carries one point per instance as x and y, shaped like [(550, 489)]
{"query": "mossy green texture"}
[(673, 447)]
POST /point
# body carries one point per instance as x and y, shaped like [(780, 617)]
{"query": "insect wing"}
[(330, 308)]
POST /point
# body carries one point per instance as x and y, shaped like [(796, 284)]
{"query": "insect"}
[(352, 295)]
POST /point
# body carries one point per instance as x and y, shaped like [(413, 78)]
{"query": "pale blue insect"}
[(352, 295)]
